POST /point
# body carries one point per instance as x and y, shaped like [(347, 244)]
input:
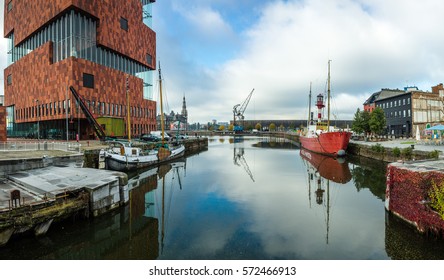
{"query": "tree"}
[(377, 121), (221, 127), (361, 122), (272, 127), (258, 126), (357, 125), (230, 127)]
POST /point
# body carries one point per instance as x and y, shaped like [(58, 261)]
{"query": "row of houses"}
[(408, 109)]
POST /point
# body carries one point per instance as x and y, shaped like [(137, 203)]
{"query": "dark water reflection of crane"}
[(239, 160)]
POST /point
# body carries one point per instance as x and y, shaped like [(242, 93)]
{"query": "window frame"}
[(124, 23), (88, 80)]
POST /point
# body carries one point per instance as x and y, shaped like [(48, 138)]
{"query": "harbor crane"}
[(238, 113)]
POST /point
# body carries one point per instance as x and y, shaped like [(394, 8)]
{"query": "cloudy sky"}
[(216, 51)]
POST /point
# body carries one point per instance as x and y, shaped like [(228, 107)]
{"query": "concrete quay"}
[(404, 143), (37, 189)]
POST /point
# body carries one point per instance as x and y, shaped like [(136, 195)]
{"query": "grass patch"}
[(409, 142)]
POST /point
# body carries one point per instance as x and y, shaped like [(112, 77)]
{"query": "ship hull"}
[(327, 143)]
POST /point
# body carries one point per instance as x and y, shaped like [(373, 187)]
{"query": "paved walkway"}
[(405, 143)]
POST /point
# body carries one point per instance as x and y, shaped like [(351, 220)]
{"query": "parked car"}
[(158, 134), (180, 136), (150, 138)]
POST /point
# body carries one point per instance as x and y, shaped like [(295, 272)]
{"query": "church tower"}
[(184, 112)]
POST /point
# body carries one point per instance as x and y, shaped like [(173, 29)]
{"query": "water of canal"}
[(244, 198)]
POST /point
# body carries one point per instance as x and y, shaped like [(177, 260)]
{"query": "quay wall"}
[(378, 152), (408, 194), (9, 166)]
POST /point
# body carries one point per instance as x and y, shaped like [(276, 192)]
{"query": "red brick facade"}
[(26, 17), (36, 77)]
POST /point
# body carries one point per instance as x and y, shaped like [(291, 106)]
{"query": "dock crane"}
[(98, 129), (238, 113)]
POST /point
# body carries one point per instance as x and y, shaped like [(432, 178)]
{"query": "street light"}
[(38, 120)]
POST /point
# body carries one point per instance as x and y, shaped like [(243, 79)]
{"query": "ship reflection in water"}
[(321, 171)]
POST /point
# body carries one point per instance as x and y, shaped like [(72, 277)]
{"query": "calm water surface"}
[(244, 198)]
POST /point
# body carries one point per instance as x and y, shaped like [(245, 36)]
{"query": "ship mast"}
[(162, 125), (128, 112), (328, 97), (309, 108)]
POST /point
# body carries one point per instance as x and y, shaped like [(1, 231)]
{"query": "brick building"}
[(94, 46)]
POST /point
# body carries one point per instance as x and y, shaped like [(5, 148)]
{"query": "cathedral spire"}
[(184, 112)]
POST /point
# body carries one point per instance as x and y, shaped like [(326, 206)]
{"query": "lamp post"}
[(38, 120)]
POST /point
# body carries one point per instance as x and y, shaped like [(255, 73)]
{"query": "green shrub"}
[(378, 148), (436, 195), (434, 154), (407, 153), (396, 152)]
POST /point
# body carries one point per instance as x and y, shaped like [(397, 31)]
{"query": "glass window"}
[(124, 24), (88, 80), (9, 79), (9, 6)]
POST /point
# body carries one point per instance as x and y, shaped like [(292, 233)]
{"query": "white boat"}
[(122, 156)]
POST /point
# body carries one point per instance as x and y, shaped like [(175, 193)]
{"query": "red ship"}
[(328, 143), (322, 138)]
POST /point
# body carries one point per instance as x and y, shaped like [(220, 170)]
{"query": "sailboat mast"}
[(328, 98), (162, 124), (128, 112), (309, 108)]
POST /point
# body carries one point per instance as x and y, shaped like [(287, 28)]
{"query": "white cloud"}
[(371, 46), (206, 24)]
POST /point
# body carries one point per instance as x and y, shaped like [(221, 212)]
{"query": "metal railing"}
[(36, 146)]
